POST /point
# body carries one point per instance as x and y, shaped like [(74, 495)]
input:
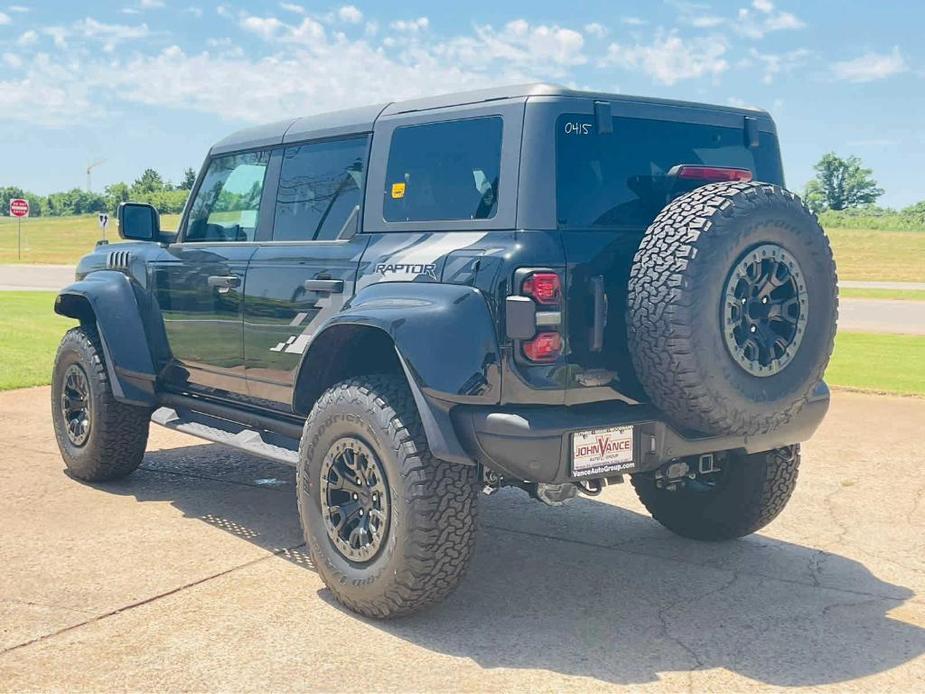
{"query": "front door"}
[(307, 271), (200, 291)]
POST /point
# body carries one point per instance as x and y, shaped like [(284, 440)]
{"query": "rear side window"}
[(444, 171), (227, 202), (619, 179), (320, 189)]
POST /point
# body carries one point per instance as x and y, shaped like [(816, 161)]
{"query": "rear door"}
[(200, 289), (307, 268), (612, 165)]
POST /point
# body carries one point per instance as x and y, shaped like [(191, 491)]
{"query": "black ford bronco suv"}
[(417, 302)]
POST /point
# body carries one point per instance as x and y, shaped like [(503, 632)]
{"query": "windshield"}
[(619, 179)]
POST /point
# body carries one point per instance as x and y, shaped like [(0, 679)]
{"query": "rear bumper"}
[(533, 443)]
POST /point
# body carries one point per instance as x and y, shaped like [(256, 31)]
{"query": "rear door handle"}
[(325, 286), (224, 281)]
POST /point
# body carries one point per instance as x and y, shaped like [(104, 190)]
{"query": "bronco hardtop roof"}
[(362, 119)]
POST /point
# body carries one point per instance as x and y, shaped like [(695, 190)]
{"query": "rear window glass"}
[(444, 171), (320, 186), (619, 179)]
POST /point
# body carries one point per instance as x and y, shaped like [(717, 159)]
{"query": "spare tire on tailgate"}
[(732, 308)]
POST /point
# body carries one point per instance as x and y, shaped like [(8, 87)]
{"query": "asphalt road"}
[(191, 575), (861, 315)]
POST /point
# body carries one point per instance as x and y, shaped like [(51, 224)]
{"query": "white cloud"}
[(27, 38), (597, 30), (12, 60), (18, 8), (4, 18), (633, 21), (291, 7), (350, 14), (307, 70), (763, 18), (871, 66), (309, 30), (535, 48), (58, 34), (50, 94), (411, 25), (775, 64), (151, 4), (670, 58), (195, 11), (92, 28), (707, 21)]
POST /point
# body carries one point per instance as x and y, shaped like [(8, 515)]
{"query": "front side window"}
[(444, 171), (227, 203), (621, 179), (320, 189)]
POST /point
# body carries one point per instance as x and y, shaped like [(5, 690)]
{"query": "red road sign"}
[(19, 207)]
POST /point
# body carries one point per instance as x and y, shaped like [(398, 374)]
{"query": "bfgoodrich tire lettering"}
[(432, 522), (676, 298), (117, 434)]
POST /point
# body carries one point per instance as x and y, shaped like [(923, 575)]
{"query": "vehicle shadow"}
[(593, 590)]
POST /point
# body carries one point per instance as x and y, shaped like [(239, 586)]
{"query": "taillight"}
[(545, 347), (710, 173), (543, 287)]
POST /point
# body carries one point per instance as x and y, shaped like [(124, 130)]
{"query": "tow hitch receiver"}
[(677, 473)]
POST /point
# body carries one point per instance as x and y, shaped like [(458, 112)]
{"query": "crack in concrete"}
[(147, 601), (664, 619)]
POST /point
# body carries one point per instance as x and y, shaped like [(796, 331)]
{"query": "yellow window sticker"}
[(398, 190)]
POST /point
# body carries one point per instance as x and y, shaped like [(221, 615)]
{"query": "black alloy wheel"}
[(355, 498), (76, 407), (765, 310)]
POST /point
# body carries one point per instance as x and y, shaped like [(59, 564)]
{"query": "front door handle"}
[(224, 281), (325, 286)]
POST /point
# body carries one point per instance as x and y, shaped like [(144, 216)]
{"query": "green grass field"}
[(892, 256), (882, 363), (58, 240), (30, 332)]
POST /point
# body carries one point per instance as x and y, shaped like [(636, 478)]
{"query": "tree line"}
[(843, 192), (150, 187)]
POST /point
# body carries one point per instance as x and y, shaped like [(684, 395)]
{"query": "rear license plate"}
[(599, 452)]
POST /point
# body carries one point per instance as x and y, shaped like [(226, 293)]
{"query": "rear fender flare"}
[(445, 340), (108, 299)]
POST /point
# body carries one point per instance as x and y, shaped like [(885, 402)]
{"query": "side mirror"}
[(139, 221)]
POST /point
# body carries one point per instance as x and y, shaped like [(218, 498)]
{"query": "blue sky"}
[(144, 83)]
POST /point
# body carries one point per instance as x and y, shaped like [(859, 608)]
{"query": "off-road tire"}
[(118, 432), (752, 491), (675, 308), (432, 524)]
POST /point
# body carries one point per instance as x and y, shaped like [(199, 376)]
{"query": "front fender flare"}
[(108, 298)]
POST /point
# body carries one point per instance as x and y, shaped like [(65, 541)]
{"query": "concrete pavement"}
[(881, 316), (191, 575), (35, 277)]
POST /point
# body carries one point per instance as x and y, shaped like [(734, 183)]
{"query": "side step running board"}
[(266, 444)]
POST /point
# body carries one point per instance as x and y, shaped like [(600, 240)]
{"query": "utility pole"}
[(90, 168)]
